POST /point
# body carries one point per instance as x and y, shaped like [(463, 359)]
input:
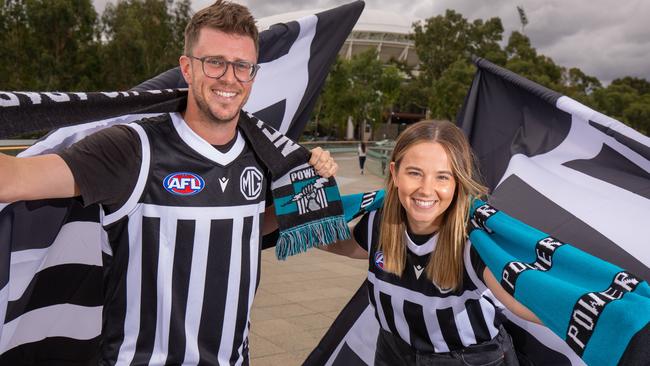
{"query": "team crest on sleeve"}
[(251, 183), (310, 190), (183, 183), (379, 260)]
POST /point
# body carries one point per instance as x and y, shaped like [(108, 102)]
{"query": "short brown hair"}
[(224, 16), (445, 267)]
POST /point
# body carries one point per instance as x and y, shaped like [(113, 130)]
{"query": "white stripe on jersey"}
[(371, 223), (380, 308), (465, 330), (133, 291), (164, 289), (232, 293), (433, 329), (486, 307), (418, 297), (254, 258), (399, 318), (140, 184), (209, 213), (196, 289)]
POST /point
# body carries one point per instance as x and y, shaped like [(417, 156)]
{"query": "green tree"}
[(445, 45), (637, 114), (623, 102), (578, 85), (361, 88), (142, 39), (524, 60), (47, 44), (449, 90), (642, 86)]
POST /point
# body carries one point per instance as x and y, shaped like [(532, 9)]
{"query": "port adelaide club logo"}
[(183, 183)]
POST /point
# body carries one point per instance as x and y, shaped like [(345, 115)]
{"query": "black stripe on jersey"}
[(43, 291), (499, 318), (418, 334), (387, 309), (244, 290), (185, 230), (260, 219), (149, 294), (477, 263), (477, 320), (449, 329), (371, 296), (115, 292), (215, 292)]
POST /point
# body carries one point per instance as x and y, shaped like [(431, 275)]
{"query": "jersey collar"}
[(204, 148), (422, 249)]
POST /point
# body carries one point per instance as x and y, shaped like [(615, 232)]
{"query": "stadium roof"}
[(370, 21), (385, 31)]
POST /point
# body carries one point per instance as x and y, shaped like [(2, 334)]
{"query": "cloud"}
[(603, 38)]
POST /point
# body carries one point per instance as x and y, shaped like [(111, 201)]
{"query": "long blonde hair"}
[(445, 267)]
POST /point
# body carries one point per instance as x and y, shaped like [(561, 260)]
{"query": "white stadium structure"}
[(385, 31)]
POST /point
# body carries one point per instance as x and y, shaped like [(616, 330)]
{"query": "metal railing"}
[(14, 147), (378, 152)]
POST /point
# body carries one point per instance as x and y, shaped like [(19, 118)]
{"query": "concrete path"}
[(298, 299)]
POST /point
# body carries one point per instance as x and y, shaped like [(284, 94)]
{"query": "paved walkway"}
[(298, 299)]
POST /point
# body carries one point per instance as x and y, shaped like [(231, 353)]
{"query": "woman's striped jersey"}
[(414, 309)]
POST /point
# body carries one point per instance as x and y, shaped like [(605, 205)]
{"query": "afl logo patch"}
[(183, 183), (379, 260)]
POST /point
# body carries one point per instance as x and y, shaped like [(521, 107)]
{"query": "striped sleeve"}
[(477, 263)]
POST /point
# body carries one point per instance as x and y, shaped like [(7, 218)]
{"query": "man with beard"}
[(184, 205)]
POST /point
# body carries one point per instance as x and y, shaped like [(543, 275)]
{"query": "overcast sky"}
[(607, 39)]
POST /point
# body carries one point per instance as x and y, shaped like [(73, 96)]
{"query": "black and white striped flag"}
[(52, 251), (557, 165)]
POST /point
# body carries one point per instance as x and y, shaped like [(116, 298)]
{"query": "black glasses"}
[(216, 67)]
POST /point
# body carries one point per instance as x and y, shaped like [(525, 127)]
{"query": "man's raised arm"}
[(38, 177)]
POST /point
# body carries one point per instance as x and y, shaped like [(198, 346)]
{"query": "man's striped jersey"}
[(183, 251), (414, 309)]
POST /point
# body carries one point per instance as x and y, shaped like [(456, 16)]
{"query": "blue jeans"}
[(393, 351)]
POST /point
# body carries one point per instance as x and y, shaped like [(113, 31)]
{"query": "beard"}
[(209, 114)]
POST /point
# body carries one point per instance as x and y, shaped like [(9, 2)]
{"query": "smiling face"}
[(425, 185), (217, 100)]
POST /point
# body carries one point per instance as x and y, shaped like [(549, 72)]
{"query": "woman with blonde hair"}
[(434, 298)]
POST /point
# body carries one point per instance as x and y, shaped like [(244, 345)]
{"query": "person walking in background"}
[(421, 267), (362, 156)]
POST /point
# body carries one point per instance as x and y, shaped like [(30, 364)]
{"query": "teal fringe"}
[(299, 239)]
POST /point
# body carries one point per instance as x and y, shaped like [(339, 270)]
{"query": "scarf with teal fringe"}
[(600, 310), (307, 206)]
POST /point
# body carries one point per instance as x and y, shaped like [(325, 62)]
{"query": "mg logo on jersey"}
[(250, 183), (379, 260), (183, 183)]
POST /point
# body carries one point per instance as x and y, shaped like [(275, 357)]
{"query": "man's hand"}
[(323, 163)]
